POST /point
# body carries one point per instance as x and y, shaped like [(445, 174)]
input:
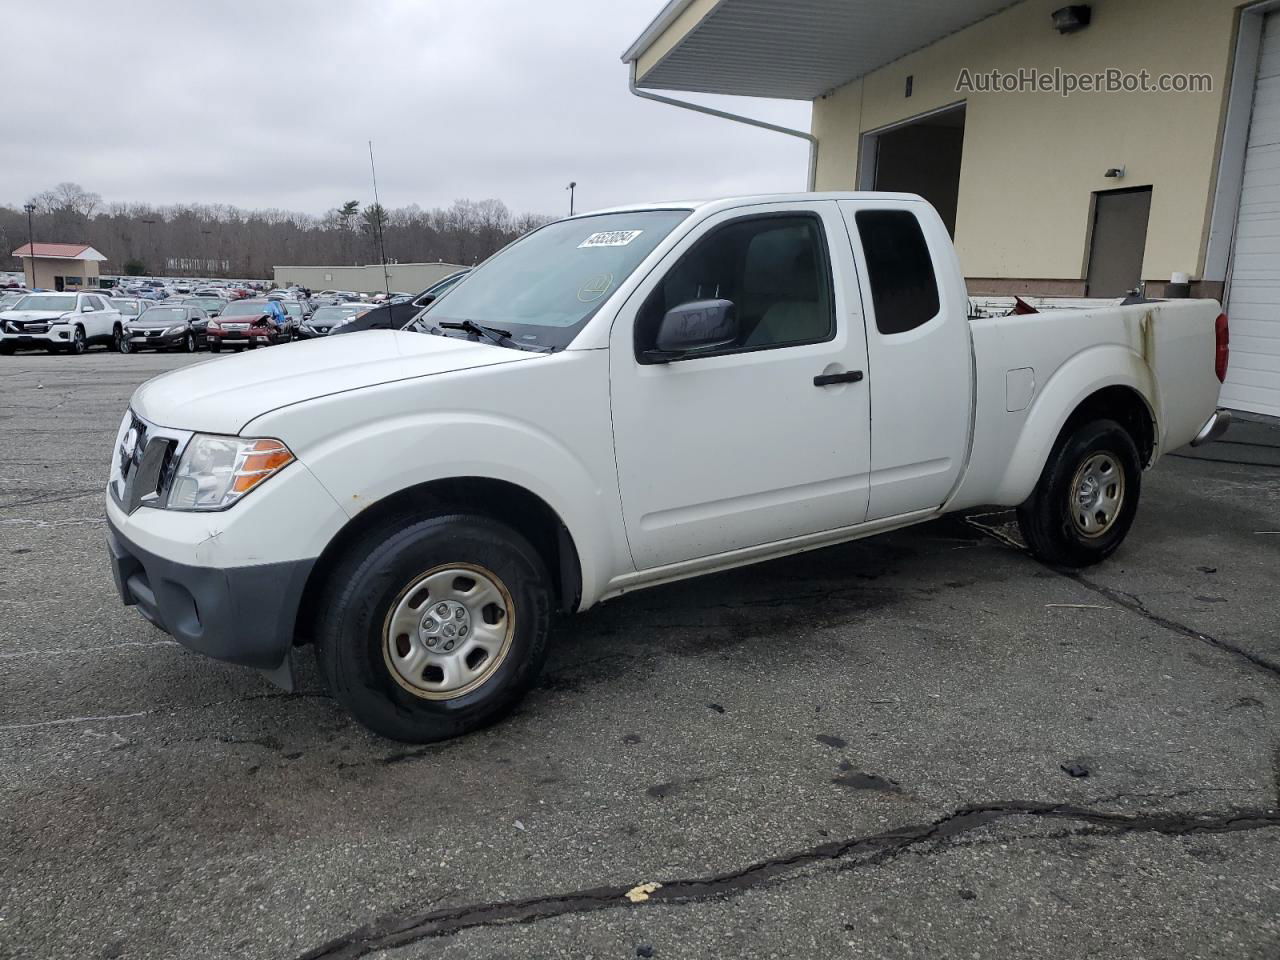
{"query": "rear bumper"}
[(1213, 428), (244, 615)]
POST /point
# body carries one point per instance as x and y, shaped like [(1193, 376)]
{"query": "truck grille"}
[(145, 459)]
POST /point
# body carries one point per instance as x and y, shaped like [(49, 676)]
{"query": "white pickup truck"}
[(619, 400)]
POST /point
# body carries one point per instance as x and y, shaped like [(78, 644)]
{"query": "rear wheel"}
[(119, 342), (1087, 496), (435, 627)]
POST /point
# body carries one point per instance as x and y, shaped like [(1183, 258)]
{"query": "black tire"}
[(353, 646), (124, 344), (189, 344), (215, 347), (118, 340), (78, 342), (1053, 520)]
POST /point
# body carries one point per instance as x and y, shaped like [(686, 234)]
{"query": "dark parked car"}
[(213, 306), (246, 324), (394, 315), (326, 319), (165, 327)]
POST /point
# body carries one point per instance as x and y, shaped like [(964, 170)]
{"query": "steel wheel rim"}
[(1096, 496), (448, 631)]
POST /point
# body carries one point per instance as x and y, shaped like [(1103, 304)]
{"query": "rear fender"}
[(1091, 370)]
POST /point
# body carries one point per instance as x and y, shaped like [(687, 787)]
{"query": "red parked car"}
[(246, 324)]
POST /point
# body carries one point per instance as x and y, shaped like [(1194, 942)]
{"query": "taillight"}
[(1222, 352)]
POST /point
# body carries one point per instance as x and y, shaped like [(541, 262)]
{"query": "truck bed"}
[(1031, 370)]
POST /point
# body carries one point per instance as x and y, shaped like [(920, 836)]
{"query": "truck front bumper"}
[(243, 615), (1213, 428)]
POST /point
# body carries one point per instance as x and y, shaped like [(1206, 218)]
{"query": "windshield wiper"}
[(493, 334)]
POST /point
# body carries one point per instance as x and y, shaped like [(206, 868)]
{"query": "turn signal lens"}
[(261, 461)]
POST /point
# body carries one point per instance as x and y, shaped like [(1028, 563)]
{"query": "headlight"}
[(172, 331), (215, 472), (213, 325)]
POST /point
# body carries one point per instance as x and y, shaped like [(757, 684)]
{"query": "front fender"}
[(1087, 372), (419, 448)]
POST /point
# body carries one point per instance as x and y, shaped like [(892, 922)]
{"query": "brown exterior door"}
[(1119, 241)]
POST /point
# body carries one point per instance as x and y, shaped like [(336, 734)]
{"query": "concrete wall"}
[(406, 277), (1032, 161), (40, 272)]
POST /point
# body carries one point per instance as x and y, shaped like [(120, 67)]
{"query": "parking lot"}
[(924, 743)]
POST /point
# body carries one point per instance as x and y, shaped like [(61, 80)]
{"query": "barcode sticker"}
[(610, 238)]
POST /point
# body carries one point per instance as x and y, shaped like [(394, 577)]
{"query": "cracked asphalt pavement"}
[(920, 744)]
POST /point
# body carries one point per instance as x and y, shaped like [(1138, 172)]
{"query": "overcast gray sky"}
[(270, 104)]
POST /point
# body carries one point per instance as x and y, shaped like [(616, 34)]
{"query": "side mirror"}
[(694, 327)]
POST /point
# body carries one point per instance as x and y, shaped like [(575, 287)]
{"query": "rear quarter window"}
[(904, 289)]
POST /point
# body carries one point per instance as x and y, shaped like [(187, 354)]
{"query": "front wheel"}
[(79, 344), (436, 627), (1087, 496), (215, 347), (189, 344)]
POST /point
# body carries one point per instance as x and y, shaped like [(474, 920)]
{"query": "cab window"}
[(775, 270)]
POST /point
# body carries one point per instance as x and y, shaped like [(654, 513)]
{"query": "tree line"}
[(222, 240)]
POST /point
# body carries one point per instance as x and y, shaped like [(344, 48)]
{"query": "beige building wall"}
[(1033, 160), (41, 271), (405, 277)]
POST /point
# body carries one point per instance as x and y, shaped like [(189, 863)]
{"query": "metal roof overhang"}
[(794, 49)]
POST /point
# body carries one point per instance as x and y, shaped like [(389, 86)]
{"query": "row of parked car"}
[(72, 322)]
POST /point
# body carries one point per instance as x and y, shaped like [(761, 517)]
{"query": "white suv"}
[(67, 322)]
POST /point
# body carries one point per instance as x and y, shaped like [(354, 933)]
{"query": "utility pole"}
[(31, 242), (151, 242), (572, 184), (382, 246)]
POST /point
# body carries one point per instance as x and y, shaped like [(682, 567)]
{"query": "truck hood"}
[(222, 395)]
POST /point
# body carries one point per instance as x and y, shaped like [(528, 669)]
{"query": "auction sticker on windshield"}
[(610, 238)]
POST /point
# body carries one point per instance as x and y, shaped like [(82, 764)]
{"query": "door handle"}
[(827, 379)]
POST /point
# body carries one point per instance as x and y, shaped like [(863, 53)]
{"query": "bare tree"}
[(221, 240)]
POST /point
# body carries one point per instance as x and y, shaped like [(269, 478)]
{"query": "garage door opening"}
[(921, 156)]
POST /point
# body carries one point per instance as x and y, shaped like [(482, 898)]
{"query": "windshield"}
[(244, 309), (545, 287), (292, 307), (207, 303), (46, 301), (165, 315), (128, 307), (325, 314)]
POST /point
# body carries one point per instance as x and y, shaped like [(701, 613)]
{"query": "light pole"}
[(572, 184), (151, 234), (31, 241)]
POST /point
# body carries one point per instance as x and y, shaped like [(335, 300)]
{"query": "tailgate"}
[(1179, 345)]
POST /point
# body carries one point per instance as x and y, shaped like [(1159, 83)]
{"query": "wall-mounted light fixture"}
[(1073, 18), (1114, 173)]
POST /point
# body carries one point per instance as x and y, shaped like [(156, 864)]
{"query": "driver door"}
[(741, 447)]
